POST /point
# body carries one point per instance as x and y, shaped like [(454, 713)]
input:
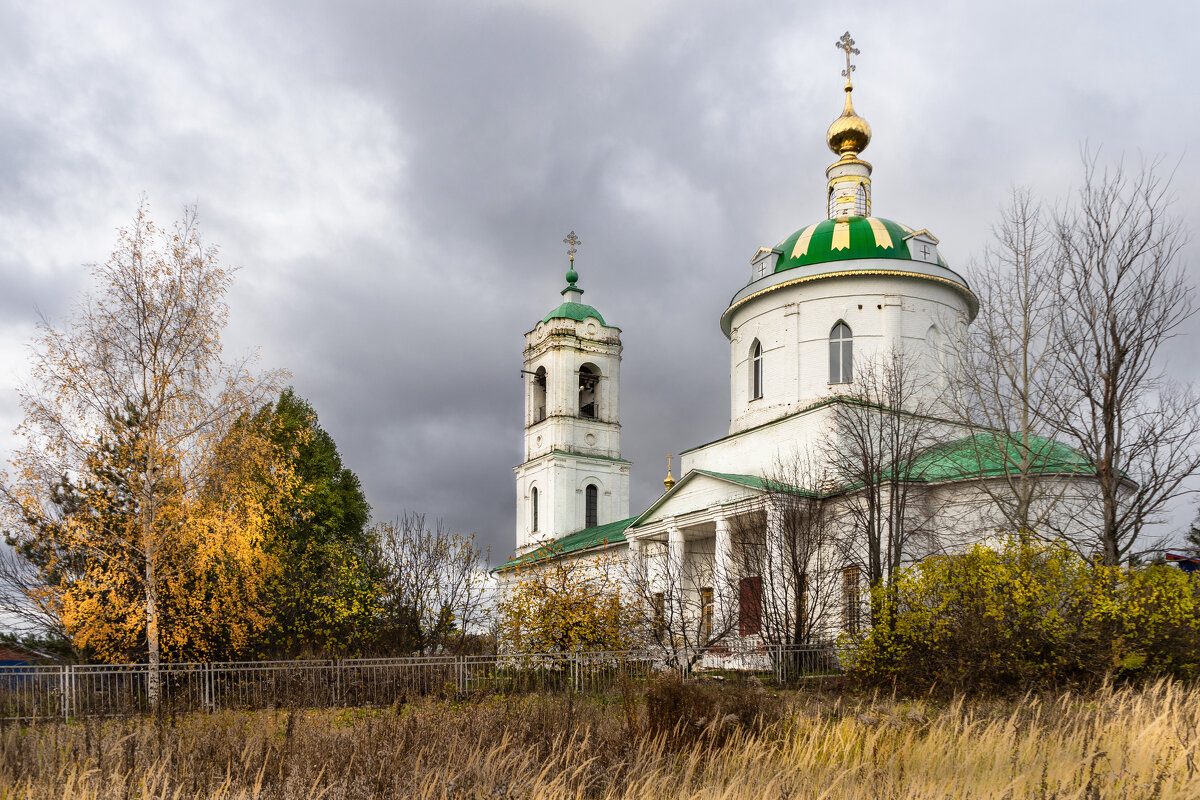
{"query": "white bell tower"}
[(573, 476)]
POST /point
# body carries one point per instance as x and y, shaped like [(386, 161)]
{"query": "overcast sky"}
[(394, 180)]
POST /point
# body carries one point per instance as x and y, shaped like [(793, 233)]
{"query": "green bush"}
[(1027, 616)]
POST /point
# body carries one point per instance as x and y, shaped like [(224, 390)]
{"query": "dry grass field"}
[(672, 742)]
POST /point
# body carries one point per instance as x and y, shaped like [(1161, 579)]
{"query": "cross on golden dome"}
[(847, 44), (849, 134)]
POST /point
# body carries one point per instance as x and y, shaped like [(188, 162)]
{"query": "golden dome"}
[(849, 134)]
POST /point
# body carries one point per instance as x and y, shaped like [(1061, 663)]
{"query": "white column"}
[(675, 556), (774, 581), (723, 593)]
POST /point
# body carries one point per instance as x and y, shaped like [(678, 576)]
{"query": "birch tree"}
[(141, 352)]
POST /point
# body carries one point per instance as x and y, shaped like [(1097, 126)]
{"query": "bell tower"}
[(573, 476)]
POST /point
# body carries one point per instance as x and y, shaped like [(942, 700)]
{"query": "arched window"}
[(591, 499), (539, 394), (756, 371), (860, 201), (933, 337), (832, 203), (589, 378), (533, 509), (841, 354)]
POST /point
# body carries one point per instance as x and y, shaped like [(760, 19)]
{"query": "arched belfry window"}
[(756, 371), (591, 502), (589, 381), (539, 394), (533, 509), (841, 354)]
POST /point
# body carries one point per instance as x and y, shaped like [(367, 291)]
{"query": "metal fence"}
[(118, 689)]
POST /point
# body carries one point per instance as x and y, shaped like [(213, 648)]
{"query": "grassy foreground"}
[(720, 743)]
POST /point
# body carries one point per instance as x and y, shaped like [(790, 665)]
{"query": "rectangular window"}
[(851, 609), (659, 610), (750, 606), (706, 615)]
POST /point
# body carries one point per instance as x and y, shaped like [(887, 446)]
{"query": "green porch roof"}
[(576, 311), (756, 482), (611, 533), (856, 237)]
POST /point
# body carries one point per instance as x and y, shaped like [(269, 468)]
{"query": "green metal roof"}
[(611, 533), (845, 238), (990, 454), (576, 311), (756, 482)]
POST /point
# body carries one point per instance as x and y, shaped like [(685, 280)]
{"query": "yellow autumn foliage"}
[(138, 508), (560, 605), (1027, 615)]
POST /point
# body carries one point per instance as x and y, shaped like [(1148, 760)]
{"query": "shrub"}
[(1026, 616), (683, 711)]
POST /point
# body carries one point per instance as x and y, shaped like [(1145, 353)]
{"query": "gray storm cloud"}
[(394, 181)]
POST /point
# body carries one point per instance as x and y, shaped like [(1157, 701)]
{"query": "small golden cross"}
[(847, 44), (573, 241)]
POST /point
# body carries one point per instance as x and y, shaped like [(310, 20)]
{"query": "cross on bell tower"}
[(573, 241)]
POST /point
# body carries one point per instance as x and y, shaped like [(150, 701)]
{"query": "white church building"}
[(819, 308)]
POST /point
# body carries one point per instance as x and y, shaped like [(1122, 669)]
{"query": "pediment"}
[(699, 490)]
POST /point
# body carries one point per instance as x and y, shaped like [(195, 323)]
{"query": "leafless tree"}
[(1004, 371), (881, 424), (789, 546), (1121, 298), (684, 604), (434, 581)]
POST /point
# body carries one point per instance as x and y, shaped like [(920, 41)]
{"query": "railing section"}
[(119, 689)]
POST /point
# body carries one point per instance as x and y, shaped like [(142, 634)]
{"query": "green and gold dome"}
[(847, 238), (850, 242)]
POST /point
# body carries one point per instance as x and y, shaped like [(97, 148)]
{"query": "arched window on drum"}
[(756, 371), (841, 354)]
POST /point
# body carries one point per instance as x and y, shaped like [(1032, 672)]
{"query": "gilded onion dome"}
[(849, 134)]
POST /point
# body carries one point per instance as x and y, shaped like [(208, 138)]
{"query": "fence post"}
[(63, 697)]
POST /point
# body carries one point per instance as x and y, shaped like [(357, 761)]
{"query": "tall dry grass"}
[(1126, 743)]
